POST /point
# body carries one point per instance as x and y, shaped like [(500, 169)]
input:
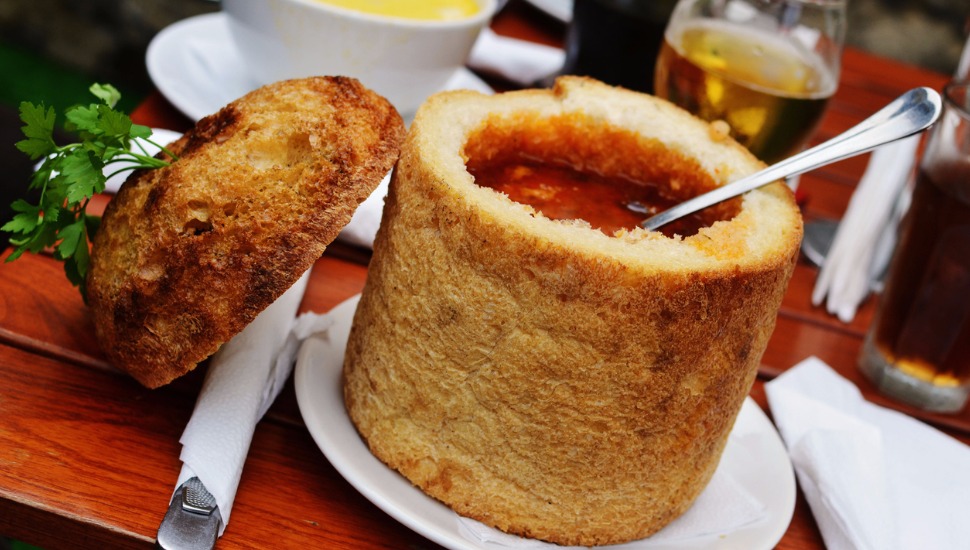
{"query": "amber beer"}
[(771, 92)]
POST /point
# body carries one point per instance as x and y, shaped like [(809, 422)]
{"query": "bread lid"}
[(187, 255)]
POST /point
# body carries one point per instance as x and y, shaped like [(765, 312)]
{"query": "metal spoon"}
[(908, 114)]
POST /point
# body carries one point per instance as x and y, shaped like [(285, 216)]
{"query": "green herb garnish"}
[(71, 174)]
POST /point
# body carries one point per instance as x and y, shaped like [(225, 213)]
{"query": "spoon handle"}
[(908, 114)]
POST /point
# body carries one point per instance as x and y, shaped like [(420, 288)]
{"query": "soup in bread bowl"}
[(548, 377)]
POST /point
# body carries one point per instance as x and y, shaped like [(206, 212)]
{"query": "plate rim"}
[(166, 44), (769, 530), (169, 43)]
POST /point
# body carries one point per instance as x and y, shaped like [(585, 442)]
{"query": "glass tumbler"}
[(918, 347)]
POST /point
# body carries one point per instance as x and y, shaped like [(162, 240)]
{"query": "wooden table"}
[(88, 458)]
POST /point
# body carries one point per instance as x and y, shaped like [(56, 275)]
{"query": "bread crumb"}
[(719, 130), (639, 234)]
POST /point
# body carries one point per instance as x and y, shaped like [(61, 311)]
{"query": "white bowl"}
[(405, 60)]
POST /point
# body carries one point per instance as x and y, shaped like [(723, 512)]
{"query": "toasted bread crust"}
[(538, 375), (187, 255)]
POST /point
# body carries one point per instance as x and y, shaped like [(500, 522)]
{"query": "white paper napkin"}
[(366, 219), (866, 235), (243, 379), (515, 60), (874, 477)]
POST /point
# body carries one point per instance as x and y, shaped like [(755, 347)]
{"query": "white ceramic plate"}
[(560, 9), (755, 457), (196, 66)]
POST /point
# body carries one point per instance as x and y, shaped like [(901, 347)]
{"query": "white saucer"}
[(755, 457), (196, 66)]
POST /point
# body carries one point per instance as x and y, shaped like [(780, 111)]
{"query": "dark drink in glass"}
[(918, 349), (617, 41)]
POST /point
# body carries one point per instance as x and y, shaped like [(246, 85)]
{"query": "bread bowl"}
[(540, 375)]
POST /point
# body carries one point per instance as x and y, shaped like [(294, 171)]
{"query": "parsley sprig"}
[(71, 174)]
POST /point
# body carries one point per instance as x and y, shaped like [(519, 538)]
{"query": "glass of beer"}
[(765, 67), (918, 348)]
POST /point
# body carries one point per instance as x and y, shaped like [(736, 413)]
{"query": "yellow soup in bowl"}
[(433, 10)]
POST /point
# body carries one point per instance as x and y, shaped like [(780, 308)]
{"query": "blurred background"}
[(52, 50)]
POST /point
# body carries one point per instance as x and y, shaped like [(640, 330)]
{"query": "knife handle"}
[(192, 521)]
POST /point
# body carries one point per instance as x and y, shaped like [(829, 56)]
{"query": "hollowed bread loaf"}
[(539, 375), (188, 255)]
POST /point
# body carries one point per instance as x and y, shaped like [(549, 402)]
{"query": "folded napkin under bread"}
[(874, 478), (243, 379), (865, 238)]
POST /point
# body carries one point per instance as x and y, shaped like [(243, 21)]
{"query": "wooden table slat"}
[(106, 448)]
